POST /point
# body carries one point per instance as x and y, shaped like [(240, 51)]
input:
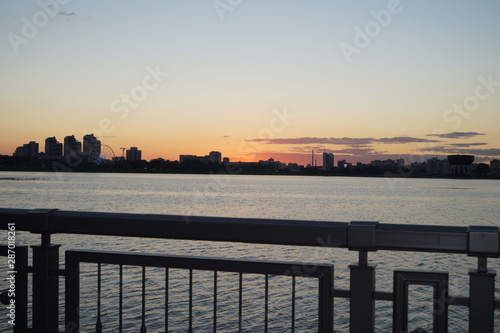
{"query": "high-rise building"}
[(133, 154), (435, 166), (327, 161), (72, 146), (495, 166), (27, 150), (53, 148), (91, 147), (90, 143), (215, 156)]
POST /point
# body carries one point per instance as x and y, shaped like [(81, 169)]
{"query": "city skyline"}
[(67, 151), (256, 80)]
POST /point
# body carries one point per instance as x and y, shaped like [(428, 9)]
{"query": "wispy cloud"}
[(62, 13), (465, 145), (454, 150), (346, 141), (357, 151), (456, 135)]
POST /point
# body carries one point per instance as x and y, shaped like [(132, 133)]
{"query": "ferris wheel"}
[(102, 154)]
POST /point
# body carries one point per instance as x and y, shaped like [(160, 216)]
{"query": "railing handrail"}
[(480, 241)]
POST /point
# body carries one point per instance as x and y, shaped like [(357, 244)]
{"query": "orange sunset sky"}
[(256, 79)]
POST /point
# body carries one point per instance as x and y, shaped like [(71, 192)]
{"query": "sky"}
[(254, 79)]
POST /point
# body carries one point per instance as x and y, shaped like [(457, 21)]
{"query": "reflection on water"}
[(387, 200)]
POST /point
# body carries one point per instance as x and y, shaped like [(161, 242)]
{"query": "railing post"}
[(361, 237), (45, 280), (483, 242)]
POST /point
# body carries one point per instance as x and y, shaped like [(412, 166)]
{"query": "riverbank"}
[(415, 170)]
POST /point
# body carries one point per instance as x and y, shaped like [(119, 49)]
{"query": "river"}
[(458, 202)]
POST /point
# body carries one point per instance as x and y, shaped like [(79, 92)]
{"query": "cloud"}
[(66, 13), (307, 149), (456, 135), (465, 145), (451, 150), (350, 151), (345, 141), (404, 139)]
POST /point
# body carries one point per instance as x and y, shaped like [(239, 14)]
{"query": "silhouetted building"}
[(53, 148), (436, 166), (215, 157), (460, 164), (184, 158), (133, 154), (276, 165), (72, 146), (327, 161), (27, 150), (495, 166), (21, 151), (91, 146), (294, 167)]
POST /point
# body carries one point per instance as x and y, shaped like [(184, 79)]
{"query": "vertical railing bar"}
[(143, 326), (293, 303), (72, 290), (190, 300), (166, 298), (120, 301), (266, 305), (240, 310), (215, 301), (98, 323)]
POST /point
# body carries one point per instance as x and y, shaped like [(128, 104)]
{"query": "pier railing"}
[(37, 308)]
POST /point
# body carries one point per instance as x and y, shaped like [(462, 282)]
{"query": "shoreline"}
[(318, 173)]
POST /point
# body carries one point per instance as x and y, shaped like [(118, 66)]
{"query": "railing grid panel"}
[(323, 274), (439, 281)]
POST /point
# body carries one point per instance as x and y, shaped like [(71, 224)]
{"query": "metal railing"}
[(363, 237)]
